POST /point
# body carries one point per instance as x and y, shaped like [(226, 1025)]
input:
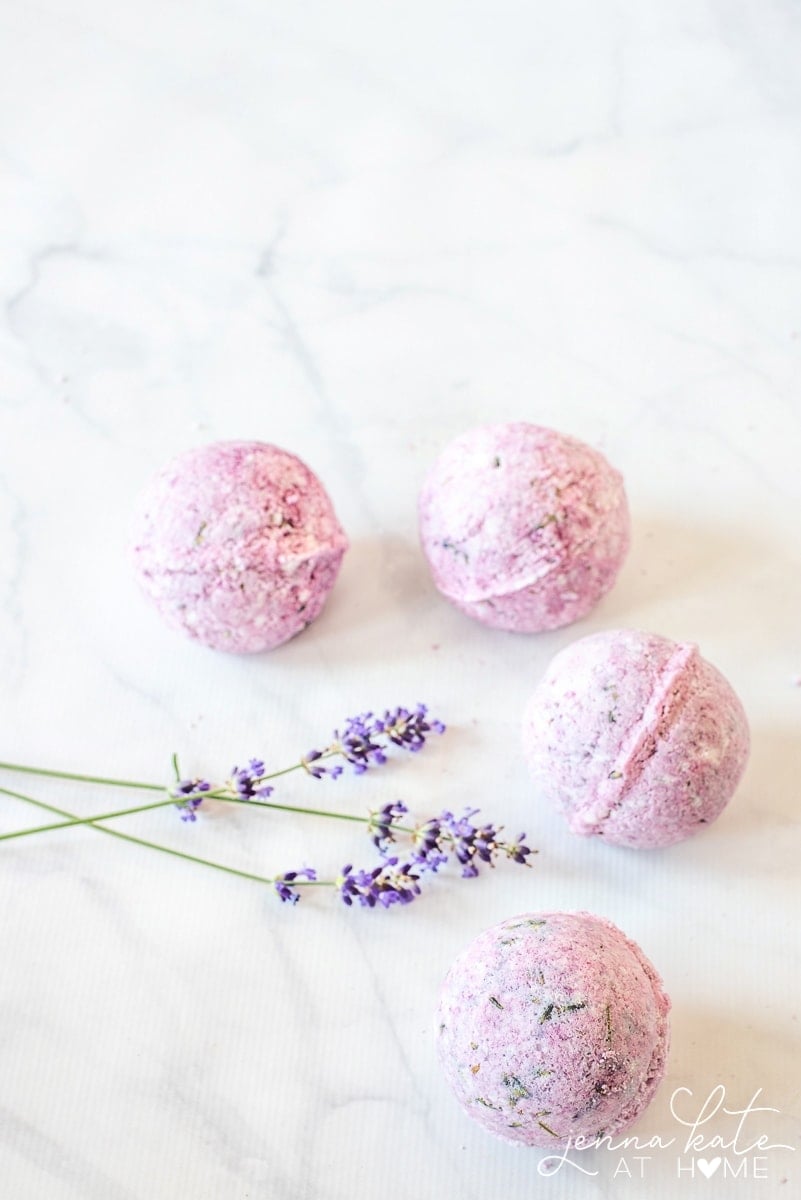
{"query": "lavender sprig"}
[(435, 839), (433, 842), (385, 885), (364, 740), (363, 743), (382, 886), (471, 844)]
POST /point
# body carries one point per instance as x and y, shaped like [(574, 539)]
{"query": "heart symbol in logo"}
[(708, 1168)]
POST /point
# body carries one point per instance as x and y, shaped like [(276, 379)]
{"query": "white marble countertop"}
[(355, 230)]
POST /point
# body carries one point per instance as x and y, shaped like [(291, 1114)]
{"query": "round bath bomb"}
[(524, 528), (553, 1026), (237, 544), (636, 738)]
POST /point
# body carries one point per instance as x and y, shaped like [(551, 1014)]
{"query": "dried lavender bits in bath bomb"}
[(524, 528), (553, 1026), (237, 544), (637, 739)]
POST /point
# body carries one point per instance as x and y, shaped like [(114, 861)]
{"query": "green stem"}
[(126, 837), (51, 774), (293, 808), (30, 800), (5, 837), (284, 771), (124, 812), (107, 781), (204, 862)]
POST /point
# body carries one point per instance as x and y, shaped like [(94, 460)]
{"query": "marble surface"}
[(355, 230)]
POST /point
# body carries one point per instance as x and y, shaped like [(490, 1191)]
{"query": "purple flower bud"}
[(187, 792), (281, 884), (246, 780)]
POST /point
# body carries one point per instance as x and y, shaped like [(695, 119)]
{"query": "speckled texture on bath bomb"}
[(524, 528), (237, 544), (636, 738), (553, 1025)]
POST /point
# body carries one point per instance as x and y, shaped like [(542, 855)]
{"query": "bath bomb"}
[(524, 528), (636, 738), (237, 544), (553, 1026)]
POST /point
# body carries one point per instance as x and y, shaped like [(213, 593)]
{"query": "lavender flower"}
[(282, 882), (379, 826), (247, 781), (426, 838), (517, 851), (433, 842), (470, 844), (406, 729), (385, 885), (364, 739), (312, 765), (362, 742), (357, 743), (186, 790)]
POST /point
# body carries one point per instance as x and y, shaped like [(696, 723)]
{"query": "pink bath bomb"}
[(553, 1026), (237, 544), (637, 739), (524, 528)]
